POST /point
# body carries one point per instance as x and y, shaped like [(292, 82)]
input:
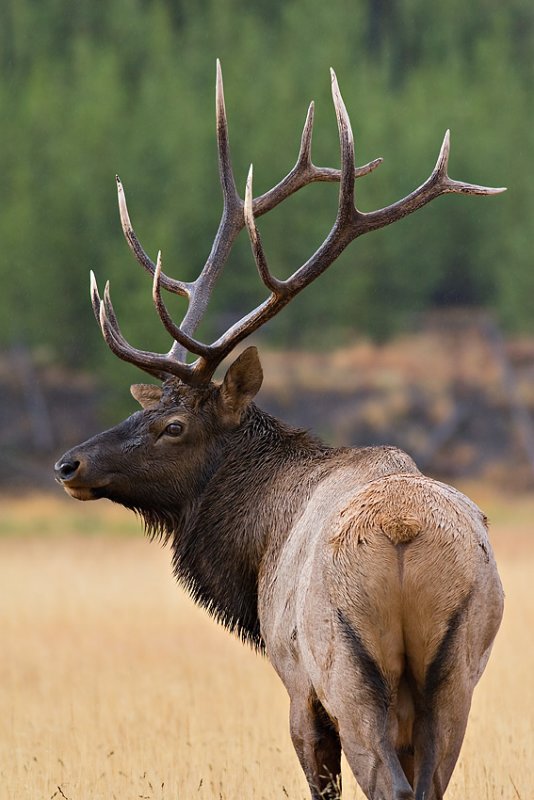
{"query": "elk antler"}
[(349, 224)]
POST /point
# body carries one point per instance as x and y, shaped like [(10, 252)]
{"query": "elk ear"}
[(242, 382), (146, 394)]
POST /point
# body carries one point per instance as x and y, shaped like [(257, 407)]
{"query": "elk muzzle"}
[(73, 472)]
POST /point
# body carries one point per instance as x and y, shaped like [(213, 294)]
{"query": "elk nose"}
[(66, 469)]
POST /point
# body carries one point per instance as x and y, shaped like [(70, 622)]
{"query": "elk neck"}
[(264, 476)]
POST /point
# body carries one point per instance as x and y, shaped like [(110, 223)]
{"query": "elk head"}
[(174, 442), (170, 448)]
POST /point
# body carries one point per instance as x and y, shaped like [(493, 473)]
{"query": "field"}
[(112, 685)]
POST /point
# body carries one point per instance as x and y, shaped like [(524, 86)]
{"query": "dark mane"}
[(219, 541)]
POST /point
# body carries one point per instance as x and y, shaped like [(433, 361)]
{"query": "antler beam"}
[(349, 224)]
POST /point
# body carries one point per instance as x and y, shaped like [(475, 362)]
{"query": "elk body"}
[(372, 588)]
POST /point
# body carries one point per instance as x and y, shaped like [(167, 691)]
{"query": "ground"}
[(113, 685)]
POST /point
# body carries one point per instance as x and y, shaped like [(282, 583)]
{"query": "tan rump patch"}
[(399, 507), (398, 529), (361, 521)]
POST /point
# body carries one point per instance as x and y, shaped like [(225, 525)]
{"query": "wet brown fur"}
[(371, 588)]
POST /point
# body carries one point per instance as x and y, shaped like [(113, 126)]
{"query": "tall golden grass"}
[(113, 685)]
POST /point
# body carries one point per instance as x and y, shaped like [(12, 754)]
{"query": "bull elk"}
[(372, 589)]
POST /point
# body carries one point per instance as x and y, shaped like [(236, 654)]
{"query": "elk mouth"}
[(81, 492)]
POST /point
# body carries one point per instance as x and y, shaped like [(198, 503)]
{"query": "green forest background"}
[(89, 89)]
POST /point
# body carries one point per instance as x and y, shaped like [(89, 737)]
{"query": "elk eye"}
[(174, 429)]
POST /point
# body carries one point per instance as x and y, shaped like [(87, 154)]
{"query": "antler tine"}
[(182, 339), (346, 211), (436, 184), (95, 297), (458, 187), (230, 225), (230, 194), (305, 171), (98, 304), (360, 172), (304, 157), (172, 285), (158, 365), (269, 280)]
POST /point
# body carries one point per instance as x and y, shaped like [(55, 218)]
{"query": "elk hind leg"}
[(317, 744), (368, 723), (438, 735), (442, 709)]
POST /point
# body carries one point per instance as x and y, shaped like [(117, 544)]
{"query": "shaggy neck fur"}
[(260, 484)]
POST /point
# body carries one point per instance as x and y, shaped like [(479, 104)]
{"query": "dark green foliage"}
[(90, 89)]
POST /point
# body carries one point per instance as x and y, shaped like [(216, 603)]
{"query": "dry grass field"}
[(112, 685)]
